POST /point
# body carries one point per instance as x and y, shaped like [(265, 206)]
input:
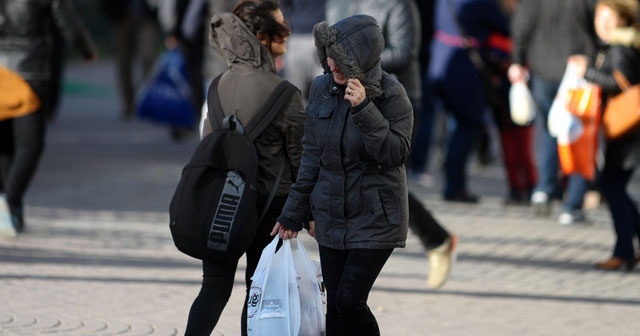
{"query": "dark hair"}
[(258, 17)]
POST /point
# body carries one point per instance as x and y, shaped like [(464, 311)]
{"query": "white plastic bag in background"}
[(311, 292), (560, 122), (521, 104), (274, 302)]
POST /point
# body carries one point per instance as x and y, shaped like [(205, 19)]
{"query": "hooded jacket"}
[(244, 87), (623, 54), (352, 178)]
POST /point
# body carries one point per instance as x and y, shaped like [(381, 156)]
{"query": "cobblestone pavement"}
[(97, 257)]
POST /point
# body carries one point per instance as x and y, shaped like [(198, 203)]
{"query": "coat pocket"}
[(384, 204)]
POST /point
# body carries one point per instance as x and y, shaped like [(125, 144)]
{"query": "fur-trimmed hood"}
[(234, 42), (355, 44), (627, 36)]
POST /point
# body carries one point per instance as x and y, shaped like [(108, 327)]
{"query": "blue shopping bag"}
[(166, 96)]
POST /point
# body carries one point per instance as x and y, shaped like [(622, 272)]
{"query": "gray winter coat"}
[(352, 178), (244, 87)]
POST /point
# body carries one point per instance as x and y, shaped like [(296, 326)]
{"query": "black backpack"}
[(213, 214)]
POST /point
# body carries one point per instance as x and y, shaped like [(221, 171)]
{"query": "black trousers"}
[(348, 277), (217, 280), (21, 146), (424, 225)]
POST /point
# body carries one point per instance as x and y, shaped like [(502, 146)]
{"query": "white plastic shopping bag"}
[(561, 123), (521, 104), (311, 291), (274, 302)]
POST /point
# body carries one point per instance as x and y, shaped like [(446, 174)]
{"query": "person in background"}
[(401, 29), (352, 179), (545, 33), (454, 81), (617, 27), (136, 37), (25, 44), (186, 31), (300, 64), (250, 39)]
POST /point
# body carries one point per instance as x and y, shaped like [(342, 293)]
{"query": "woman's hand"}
[(579, 62), (354, 92), (312, 228), (283, 232), (517, 73)]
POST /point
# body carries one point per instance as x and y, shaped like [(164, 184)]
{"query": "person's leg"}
[(424, 225), (29, 137), (262, 239), (124, 50), (6, 151), (422, 138), (622, 209), (351, 275), (461, 144), (543, 92), (217, 284)]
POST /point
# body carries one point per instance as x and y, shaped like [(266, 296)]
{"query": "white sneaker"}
[(441, 260), (540, 203), (571, 217), (6, 224)]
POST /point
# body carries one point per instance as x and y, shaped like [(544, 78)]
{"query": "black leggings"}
[(21, 147), (218, 278), (348, 277)]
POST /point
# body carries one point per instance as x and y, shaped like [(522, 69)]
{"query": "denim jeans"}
[(348, 277), (544, 92), (463, 137), (623, 210)]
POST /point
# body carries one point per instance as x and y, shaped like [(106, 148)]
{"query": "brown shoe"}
[(615, 263)]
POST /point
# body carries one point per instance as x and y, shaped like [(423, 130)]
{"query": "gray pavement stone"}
[(98, 259)]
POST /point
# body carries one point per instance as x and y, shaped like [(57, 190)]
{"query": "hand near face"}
[(355, 92)]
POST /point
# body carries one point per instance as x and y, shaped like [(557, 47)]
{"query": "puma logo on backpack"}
[(213, 214)]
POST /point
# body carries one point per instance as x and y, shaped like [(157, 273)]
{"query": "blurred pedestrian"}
[(25, 47), (401, 29), (300, 63), (187, 33), (545, 33), (454, 81), (617, 27), (250, 39), (136, 37), (352, 178)]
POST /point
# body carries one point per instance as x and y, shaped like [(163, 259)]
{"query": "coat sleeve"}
[(387, 127), (74, 32), (621, 58), (296, 210), (293, 128), (522, 26)]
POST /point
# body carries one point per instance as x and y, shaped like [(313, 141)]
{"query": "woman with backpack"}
[(250, 39)]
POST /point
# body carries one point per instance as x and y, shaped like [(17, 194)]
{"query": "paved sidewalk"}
[(98, 259)]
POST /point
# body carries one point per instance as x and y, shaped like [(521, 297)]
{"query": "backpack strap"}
[(214, 110), (276, 102)]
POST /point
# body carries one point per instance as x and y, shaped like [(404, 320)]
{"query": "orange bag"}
[(577, 152), (622, 113), (17, 98)]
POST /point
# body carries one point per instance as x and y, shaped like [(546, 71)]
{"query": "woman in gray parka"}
[(352, 177)]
